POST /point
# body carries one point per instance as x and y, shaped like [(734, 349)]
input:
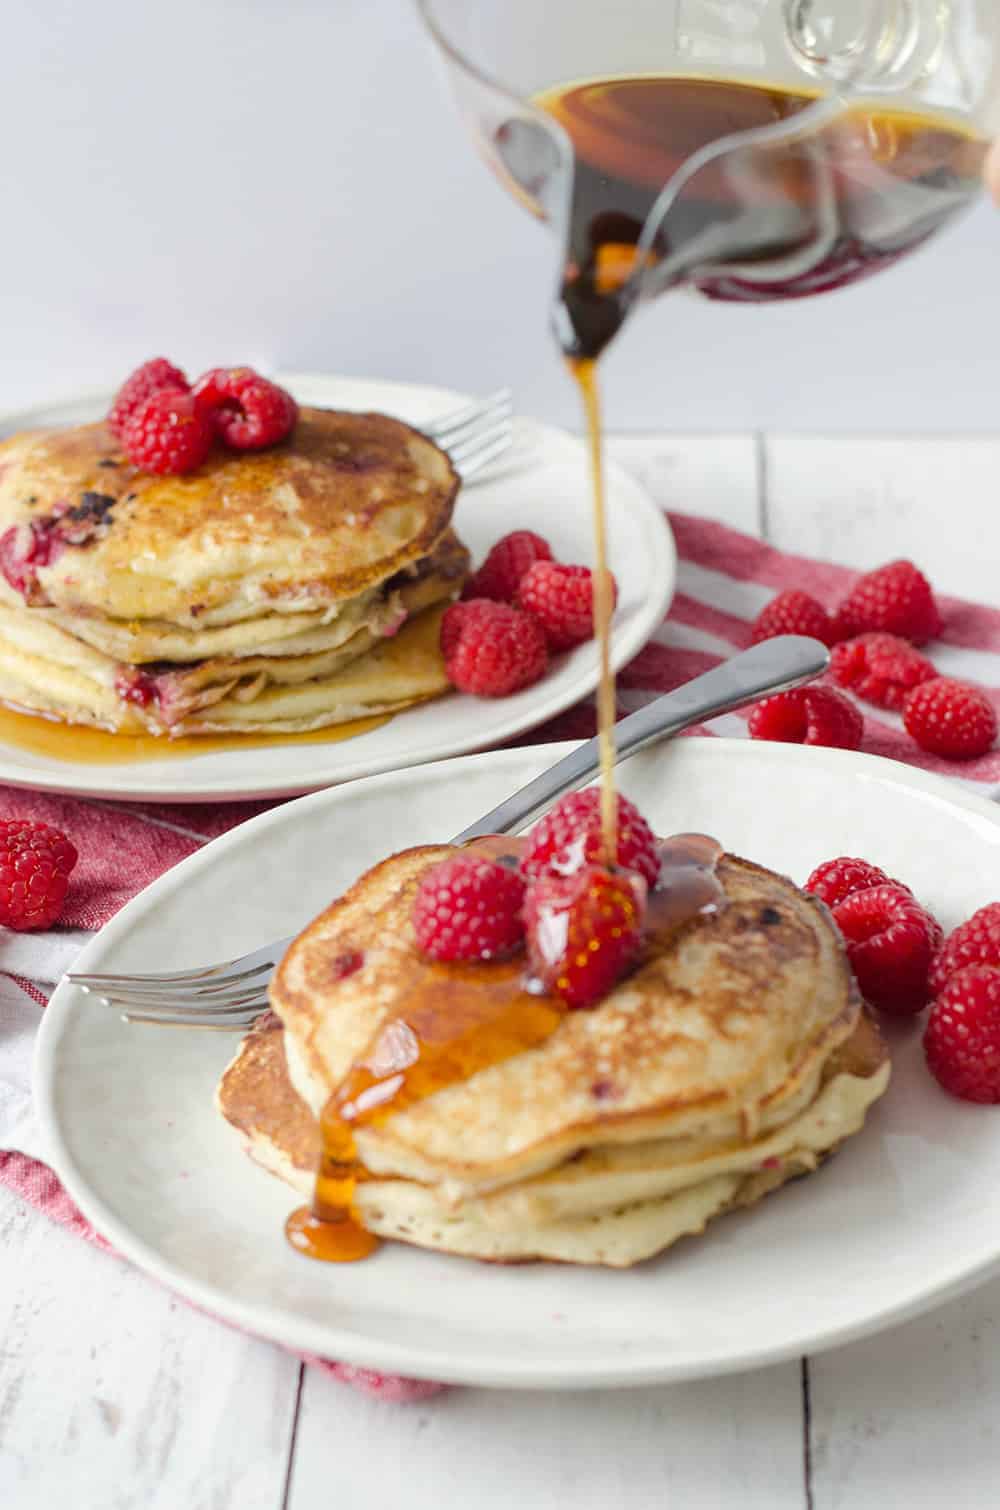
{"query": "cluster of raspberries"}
[(519, 608), (902, 961), (874, 634), (166, 425), (579, 919)]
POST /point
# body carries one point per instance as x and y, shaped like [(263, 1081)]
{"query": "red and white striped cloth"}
[(725, 579)]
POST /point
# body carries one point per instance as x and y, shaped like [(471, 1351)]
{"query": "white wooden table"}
[(113, 1394)]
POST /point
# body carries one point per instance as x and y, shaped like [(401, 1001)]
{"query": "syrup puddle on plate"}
[(79, 745)]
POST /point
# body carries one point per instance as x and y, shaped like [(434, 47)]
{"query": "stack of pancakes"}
[(737, 1056), (276, 591)]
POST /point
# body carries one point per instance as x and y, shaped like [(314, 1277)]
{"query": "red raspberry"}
[(950, 718), (569, 836), (896, 599), (168, 434), (561, 598), (462, 621), (793, 612), (491, 649), (976, 942), (891, 942), (500, 574), (156, 376), (584, 931), (881, 668), (248, 411), (35, 865), (962, 1038), (837, 879), (808, 716), (468, 908)]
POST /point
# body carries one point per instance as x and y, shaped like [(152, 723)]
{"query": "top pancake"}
[(719, 1028), (346, 502)]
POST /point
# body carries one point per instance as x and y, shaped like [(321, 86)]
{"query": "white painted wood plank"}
[(864, 501), (114, 1393), (908, 1418), (912, 1418), (707, 1446), (715, 476)]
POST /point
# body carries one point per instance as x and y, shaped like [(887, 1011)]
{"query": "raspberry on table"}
[(895, 599), (491, 649), (168, 434), (500, 574), (561, 598), (569, 836), (891, 941), (35, 865), (248, 411), (962, 1037), (881, 668), (835, 880), (950, 718), (155, 376), (583, 931), (808, 716), (468, 908), (975, 942), (793, 612)]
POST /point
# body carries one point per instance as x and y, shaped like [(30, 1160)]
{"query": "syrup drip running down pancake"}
[(273, 591)]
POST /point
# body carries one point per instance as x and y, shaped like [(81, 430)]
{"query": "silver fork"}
[(232, 993), (475, 434)]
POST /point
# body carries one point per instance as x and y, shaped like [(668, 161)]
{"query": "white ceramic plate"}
[(543, 484), (906, 1214)]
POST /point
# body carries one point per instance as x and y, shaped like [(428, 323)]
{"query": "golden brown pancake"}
[(269, 591), (345, 502), (714, 1030)]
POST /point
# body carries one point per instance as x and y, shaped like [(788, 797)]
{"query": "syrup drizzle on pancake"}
[(464, 1018)]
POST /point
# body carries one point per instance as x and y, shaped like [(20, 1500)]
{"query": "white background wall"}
[(285, 181)]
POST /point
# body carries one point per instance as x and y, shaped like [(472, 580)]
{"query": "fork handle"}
[(774, 666)]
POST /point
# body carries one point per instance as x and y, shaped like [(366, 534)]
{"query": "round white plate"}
[(543, 484), (905, 1214)]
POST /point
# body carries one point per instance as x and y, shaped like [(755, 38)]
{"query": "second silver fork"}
[(231, 994)]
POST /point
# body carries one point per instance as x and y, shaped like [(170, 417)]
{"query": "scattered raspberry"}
[(896, 599), (891, 941), (793, 612), (468, 908), (247, 410), (156, 376), (950, 718), (976, 942), (569, 836), (561, 598), (835, 880), (491, 649), (500, 574), (583, 931), (168, 433), (962, 1038), (35, 865), (808, 716), (881, 668), (462, 619)]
